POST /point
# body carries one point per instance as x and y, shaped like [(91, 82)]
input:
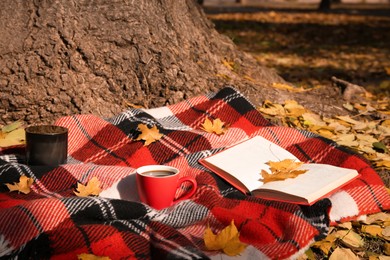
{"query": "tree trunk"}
[(63, 57)]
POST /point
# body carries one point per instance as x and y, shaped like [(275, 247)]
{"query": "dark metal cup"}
[(46, 145)]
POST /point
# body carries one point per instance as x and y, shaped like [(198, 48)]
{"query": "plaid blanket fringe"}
[(51, 222)]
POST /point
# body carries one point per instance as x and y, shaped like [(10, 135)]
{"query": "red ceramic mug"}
[(157, 185)]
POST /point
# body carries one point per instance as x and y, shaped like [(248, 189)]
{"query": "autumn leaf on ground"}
[(149, 135), (350, 238), (272, 109), (326, 244), (22, 186), (227, 240), (282, 170), (12, 134), (373, 230), (91, 188), (228, 64), (343, 254), (91, 257), (293, 108), (216, 126), (287, 87)]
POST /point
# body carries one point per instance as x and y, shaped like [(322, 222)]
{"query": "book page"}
[(319, 180), (245, 160)]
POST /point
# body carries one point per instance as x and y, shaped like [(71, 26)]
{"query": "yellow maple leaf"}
[(91, 188), (22, 186), (216, 126), (383, 164), (373, 230), (12, 134), (272, 109), (293, 108), (290, 88), (149, 135), (326, 244), (282, 170), (227, 240), (91, 257)]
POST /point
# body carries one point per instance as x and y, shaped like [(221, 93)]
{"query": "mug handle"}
[(190, 192)]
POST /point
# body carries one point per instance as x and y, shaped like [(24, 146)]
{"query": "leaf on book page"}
[(22, 186), (91, 188), (227, 240), (282, 170), (216, 126), (149, 135)]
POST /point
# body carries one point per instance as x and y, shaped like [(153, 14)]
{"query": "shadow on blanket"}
[(52, 222)]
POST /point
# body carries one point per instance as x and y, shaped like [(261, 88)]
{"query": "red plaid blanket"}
[(51, 222)]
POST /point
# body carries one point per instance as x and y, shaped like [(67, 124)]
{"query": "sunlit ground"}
[(307, 47)]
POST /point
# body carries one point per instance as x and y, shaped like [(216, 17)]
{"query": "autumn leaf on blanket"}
[(92, 257), (216, 126), (149, 135), (91, 188), (227, 240), (282, 170), (22, 186), (12, 134)]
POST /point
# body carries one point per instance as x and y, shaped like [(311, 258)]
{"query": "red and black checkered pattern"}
[(51, 222)]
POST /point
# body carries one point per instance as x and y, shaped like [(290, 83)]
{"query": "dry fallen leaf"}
[(227, 240), (272, 109), (228, 64), (22, 186), (12, 134), (282, 170), (377, 217), (149, 135), (91, 188), (287, 87), (363, 135), (343, 254), (92, 257), (386, 248), (387, 69), (386, 233), (216, 126), (350, 238), (326, 244), (373, 230)]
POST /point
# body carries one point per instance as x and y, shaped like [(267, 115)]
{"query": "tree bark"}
[(63, 57)]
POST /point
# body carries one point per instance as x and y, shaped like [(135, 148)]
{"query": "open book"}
[(241, 166)]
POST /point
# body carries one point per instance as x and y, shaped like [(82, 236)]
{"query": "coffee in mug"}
[(158, 173), (157, 185)]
